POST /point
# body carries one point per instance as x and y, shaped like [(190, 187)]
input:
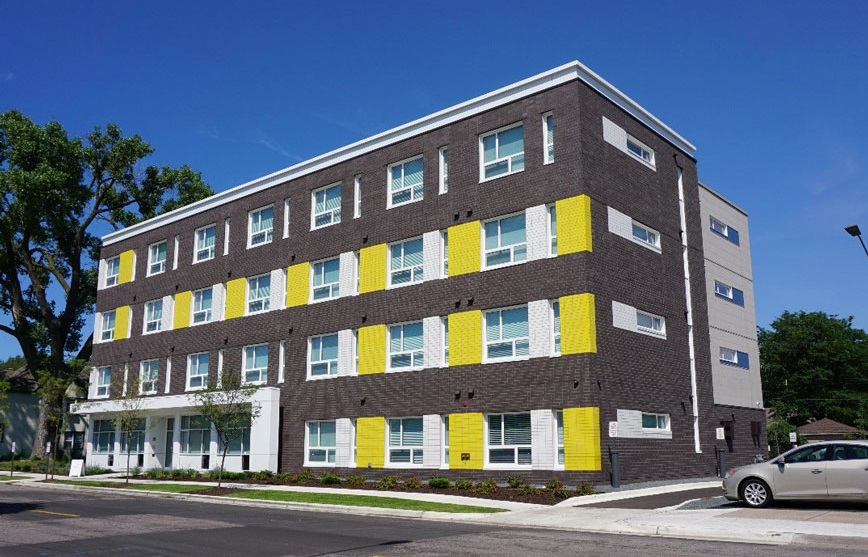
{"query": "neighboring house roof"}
[(21, 380), (826, 427)]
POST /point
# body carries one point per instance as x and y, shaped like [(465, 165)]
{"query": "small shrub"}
[(283, 477), (584, 488), (514, 481), (329, 478), (529, 491), (264, 476), (135, 471), (463, 484), (560, 493), (94, 470), (388, 482), (411, 483), (485, 487), (356, 480), (153, 473), (305, 476), (554, 483), (438, 482)]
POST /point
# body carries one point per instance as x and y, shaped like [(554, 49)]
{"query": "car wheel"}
[(755, 493)]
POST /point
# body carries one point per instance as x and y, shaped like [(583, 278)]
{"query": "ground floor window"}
[(322, 442), (134, 440), (559, 419), (103, 436), (195, 435), (239, 439), (405, 441), (509, 439)]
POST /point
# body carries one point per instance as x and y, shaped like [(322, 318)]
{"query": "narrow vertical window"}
[(444, 321), (445, 255), (556, 328), (446, 441), (103, 381), (444, 170), (357, 196), (559, 420), (286, 218), (549, 137), (107, 331), (226, 236), (112, 271), (553, 230)]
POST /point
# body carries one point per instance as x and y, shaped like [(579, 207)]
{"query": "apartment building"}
[(525, 282)]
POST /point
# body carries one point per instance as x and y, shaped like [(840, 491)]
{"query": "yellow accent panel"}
[(297, 285), (464, 248), (122, 322), (370, 442), (127, 261), (372, 268), (581, 438), (465, 437), (578, 324), (181, 318), (465, 338), (372, 349), (236, 291), (574, 224)]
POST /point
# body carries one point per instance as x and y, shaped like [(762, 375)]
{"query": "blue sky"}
[(774, 99)]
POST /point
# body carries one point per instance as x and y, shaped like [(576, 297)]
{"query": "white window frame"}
[(201, 379), (112, 264), (648, 232), (548, 128), (390, 201), (333, 288), (148, 376), (444, 442), (512, 248), (208, 313), (560, 452), (204, 253), (721, 228), (255, 216), (722, 289), (103, 382), (416, 271), (416, 451), (516, 448), (152, 324), (555, 309), (658, 418), (330, 451), (658, 324), (413, 354), (287, 205), (725, 355), (443, 169), (357, 196), (333, 214), (498, 159), (444, 341), (640, 151), (107, 333), (333, 365), (502, 340), (265, 301), (152, 262), (262, 372), (552, 225)]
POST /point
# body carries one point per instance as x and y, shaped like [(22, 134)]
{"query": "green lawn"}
[(6, 477), (360, 501), (166, 488)]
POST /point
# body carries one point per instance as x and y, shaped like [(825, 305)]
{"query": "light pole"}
[(853, 230)]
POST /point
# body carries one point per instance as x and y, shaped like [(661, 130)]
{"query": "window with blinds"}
[(405, 262), (205, 240), (325, 206), (406, 347), (509, 439), (261, 226), (507, 335), (405, 182), (326, 277), (405, 441), (505, 241)]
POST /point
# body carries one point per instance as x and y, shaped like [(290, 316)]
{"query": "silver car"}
[(830, 470)]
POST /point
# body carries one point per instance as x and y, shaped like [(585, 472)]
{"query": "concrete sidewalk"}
[(829, 525)]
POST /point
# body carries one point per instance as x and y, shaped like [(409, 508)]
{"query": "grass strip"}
[(165, 488), (360, 501), (6, 478)]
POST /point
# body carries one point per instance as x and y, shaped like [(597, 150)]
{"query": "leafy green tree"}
[(12, 362), (815, 365), (57, 195)]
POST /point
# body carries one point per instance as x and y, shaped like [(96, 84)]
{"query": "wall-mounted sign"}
[(719, 433), (613, 429)]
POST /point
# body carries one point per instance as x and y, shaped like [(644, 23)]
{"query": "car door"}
[(847, 472), (802, 474)]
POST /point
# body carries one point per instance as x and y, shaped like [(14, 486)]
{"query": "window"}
[(655, 422), (195, 435), (811, 453), (735, 358), (724, 230), (556, 328), (405, 441), (640, 151), (256, 363), (445, 328), (405, 182), (108, 326), (502, 152), (509, 439), (326, 276), (135, 438), (321, 442), (645, 235), (73, 440), (202, 302), (559, 425), (649, 323), (323, 360), (553, 230), (357, 196), (157, 258), (197, 371), (406, 349), (150, 371), (326, 206), (153, 316), (112, 271), (258, 294), (728, 293), (286, 207), (260, 225), (445, 441), (405, 262), (506, 334), (549, 137), (505, 241), (445, 255), (103, 436), (239, 439), (444, 169), (205, 241), (103, 381)]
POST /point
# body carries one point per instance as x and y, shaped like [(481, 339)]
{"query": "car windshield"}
[(807, 454)]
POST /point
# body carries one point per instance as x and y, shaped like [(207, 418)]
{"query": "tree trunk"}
[(44, 426)]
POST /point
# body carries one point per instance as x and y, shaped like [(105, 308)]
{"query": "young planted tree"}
[(230, 407), (130, 421)]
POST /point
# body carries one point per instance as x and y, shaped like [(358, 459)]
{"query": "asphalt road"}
[(711, 496), (52, 523)]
